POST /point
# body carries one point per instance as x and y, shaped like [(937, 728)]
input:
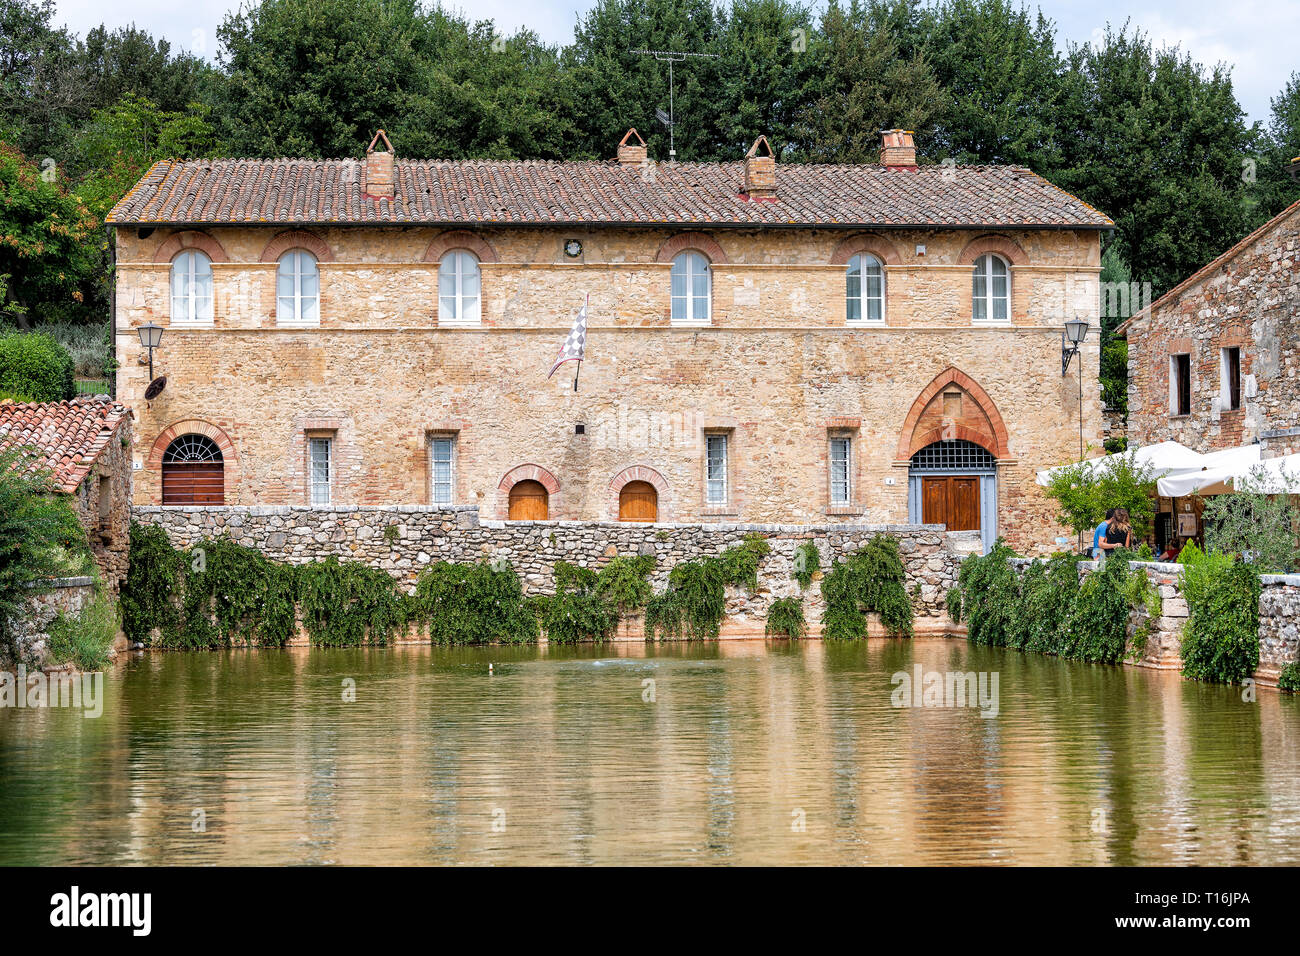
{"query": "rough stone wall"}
[(103, 505), (1279, 623), (1253, 302), (27, 636), (779, 369), (424, 535)]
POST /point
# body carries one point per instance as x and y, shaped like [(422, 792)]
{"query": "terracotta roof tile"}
[(284, 191), (68, 436)]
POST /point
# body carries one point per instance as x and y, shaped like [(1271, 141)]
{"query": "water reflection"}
[(745, 753)]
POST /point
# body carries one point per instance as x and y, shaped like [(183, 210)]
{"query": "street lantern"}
[(1076, 330), (150, 338)]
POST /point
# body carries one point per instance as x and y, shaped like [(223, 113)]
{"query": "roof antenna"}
[(670, 57)]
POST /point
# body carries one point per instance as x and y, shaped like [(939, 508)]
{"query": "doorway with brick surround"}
[(954, 482), (638, 501), (528, 501)]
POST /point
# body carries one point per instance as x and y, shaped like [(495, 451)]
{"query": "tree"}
[(1084, 491), (1280, 145)]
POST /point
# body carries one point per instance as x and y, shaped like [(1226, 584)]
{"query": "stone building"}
[(86, 446), (767, 342), (1215, 362)]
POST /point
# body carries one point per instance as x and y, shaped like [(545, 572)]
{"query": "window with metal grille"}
[(716, 469), (840, 460), (442, 460), (320, 449), (952, 455), (192, 449)]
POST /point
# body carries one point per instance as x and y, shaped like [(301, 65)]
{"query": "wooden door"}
[(951, 500), (638, 501), (528, 501), (193, 483)]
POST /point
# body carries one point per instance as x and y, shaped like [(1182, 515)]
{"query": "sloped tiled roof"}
[(292, 191), (68, 436)]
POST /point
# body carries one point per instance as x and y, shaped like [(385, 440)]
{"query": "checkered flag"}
[(576, 344)]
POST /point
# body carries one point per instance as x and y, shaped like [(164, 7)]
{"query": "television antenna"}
[(670, 57)]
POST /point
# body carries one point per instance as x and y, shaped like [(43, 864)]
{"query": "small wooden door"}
[(638, 501), (528, 501), (951, 500), (193, 483)]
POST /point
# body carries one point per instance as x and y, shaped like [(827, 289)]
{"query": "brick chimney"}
[(380, 174), (760, 171), (897, 151), (631, 154)]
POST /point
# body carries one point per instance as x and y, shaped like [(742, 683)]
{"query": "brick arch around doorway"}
[(638, 474), (230, 458), (953, 406), (535, 475)]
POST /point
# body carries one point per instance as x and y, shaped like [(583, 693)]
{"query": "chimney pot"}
[(380, 173), (897, 149), (760, 171), (631, 154)]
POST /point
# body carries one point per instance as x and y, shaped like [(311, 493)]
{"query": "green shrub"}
[(952, 601), (473, 604), (234, 594), (1047, 594), (34, 364), (740, 563), (807, 562), (696, 598), (785, 618), (570, 617), (1260, 526), (624, 581), (989, 591), (1221, 636), (153, 580), (1096, 628), (869, 580), (346, 604), (85, 639), (1289, 678), (84, 342), (1083, 493)]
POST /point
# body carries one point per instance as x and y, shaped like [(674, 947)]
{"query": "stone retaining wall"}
[(403, 539), (27, 636)]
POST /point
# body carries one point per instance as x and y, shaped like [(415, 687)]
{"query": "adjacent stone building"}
[(85, 444), (766, 342), (1215, 362)]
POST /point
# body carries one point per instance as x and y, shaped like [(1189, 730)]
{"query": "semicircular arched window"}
[(193, 472), (865, 289), (191, 280)]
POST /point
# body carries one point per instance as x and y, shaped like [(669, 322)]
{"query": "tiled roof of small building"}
[(292, 191), (68, 436)]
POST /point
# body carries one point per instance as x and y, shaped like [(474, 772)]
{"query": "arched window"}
[(193, 472), (692, 289), (529, 501), (191, 289), (638, 501), (297, 289), (865, 289), (991, 289), (459, 286)]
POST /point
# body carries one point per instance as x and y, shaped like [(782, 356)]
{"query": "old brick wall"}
[(422, 535), (778, 368), (1251, 301), (103, 504)]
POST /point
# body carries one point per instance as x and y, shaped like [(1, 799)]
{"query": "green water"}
[(747, 754)]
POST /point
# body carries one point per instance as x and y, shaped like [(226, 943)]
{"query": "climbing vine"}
[(869, 580), (346, 604), (473, 604), (1289, 678), (807, 562), (1221, 637), (785, 618), (696, 598)]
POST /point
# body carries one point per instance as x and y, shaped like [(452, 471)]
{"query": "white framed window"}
[(297, 289), (991, 290), (692, 289), (320, 453), (865, 289), (459, 289), (192, 290), (442, 470), (715, 470), (841, 469), (1230, 378)]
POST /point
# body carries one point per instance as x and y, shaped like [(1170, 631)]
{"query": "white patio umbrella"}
[(1165, 458), (1271, 476)]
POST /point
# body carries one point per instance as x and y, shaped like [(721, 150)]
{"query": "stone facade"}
[(404, 539), (1248, 298), (103, 504), (27, 635), (1279, 624), (778, 369)]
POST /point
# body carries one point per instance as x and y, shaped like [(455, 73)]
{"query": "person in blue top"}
[(1101, 533)]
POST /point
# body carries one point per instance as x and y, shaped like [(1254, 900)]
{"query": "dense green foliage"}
[(1084, 492), (40, 536), (696, 598), (1260, 527), (785, 618), (588, 604), (1289, 678), (871, 579), (1221, 637), (807, 562), (35, 365), (473, 604), (85, 639), (1047, 610), (344, 604)]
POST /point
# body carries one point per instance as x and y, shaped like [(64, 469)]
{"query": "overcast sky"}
[(1257, 38)]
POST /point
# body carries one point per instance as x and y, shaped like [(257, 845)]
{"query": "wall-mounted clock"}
[(573, 248)]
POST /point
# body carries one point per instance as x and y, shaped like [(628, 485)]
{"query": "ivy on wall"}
[(869, 580), (785, 618), (1221, 637), (696, 599)]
